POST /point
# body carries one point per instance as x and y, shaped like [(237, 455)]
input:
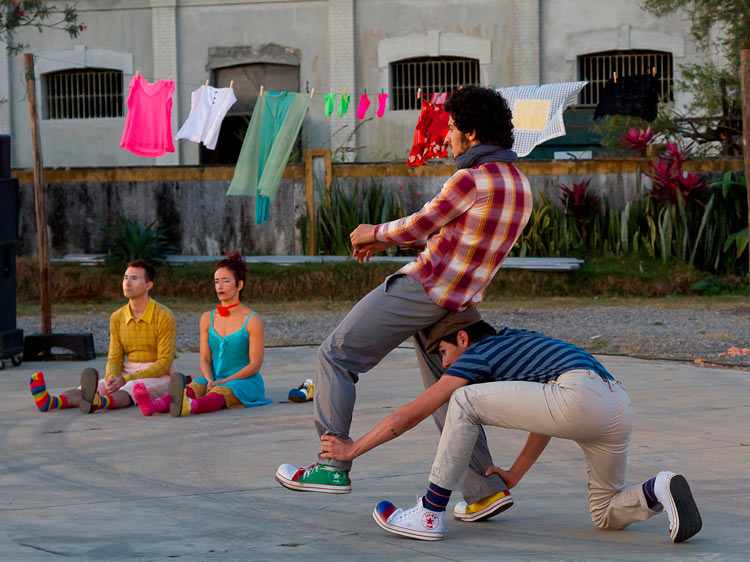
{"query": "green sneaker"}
[(314, 478)]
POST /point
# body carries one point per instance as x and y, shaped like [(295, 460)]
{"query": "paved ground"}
[(711, 330), (117, 486)]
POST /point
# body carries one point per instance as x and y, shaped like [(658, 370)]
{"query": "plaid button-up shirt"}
[(470, 226), (148, 339)]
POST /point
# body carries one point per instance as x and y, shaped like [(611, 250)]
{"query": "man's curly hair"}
[(482, 110)]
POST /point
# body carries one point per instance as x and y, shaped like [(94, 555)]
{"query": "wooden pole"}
[(41, 217)]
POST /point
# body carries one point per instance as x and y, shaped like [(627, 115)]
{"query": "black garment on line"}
[(630, 95)]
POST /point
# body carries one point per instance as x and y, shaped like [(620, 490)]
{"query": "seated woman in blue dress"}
[(231, 348)]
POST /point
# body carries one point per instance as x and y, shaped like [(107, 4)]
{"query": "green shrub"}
[(708, 231), (341, 212), (130, 240)]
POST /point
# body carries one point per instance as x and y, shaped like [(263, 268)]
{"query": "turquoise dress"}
[(230, 354)]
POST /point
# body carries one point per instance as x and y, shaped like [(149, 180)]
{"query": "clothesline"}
[(314, 93)]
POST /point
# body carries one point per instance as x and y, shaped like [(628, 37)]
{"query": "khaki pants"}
[(391, 313), (580, 406)]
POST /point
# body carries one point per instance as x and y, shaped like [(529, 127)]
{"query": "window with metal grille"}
[(598, 68), (431, 74), (83, 94)]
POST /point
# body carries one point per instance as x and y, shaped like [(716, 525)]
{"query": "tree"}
[(715, 114), (35, 13)]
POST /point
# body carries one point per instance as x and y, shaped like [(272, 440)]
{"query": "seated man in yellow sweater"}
[(144, 332)]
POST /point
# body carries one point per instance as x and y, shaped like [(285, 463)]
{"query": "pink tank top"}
[(148, 126)]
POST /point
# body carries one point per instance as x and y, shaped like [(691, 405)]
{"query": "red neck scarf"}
[(224, 310)]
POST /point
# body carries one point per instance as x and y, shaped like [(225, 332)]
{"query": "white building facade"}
[(377, 46)]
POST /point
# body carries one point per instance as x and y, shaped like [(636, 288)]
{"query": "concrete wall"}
[(81, 202), (202, 219)]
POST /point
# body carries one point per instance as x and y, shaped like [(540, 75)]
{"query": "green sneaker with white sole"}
[(314, 478)]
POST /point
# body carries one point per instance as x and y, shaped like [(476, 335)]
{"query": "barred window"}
[(431, 74), (598, 68), (89, 93)]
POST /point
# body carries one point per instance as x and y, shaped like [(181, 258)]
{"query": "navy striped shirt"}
[(522, 355)]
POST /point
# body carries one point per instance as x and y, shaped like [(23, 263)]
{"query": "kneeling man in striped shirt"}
[(524, 380)]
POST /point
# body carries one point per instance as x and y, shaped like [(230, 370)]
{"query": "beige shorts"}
[(156, 386)]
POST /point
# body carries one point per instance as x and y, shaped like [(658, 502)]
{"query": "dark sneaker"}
[(178, 397), (314, 478), (416, 523), (484, 508), (89, 382), (304, 392), (674, 494)]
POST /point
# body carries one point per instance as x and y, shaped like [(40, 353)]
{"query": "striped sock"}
[(648, 491), (106, 402), (436, 498), (44, 401)]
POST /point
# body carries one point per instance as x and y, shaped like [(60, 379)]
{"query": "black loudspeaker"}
[(11, 339), (4, 156)]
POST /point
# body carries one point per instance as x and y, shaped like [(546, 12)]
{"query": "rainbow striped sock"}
[(436, 498), (106, 402), (44, 401)]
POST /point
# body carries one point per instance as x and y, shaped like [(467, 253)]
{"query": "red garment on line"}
[(430, 135), (148, 126)]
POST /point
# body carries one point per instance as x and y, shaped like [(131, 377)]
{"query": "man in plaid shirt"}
[(467, 230)]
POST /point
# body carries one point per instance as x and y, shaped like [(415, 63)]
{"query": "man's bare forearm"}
[(534, 446)]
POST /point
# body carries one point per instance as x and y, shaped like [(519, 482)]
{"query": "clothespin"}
[(286, 91), (614, 76), (365, 92), (231, 83), (137, 72), (344, 94), (206, 82), (261, 90), (312, 92), (653, 71), (419, 93), (169, 78)]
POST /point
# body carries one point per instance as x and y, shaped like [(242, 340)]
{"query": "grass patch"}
[(331, 285)]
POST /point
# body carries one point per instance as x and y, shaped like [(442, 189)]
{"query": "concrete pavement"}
[(115, 485)]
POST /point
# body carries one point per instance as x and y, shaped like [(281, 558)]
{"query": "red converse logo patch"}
[(430, 521)]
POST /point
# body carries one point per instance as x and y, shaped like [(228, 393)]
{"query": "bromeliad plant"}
[(668, 179), (580, 203), (638, 140)]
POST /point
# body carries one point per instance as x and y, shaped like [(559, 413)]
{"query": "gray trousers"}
[(580, 406), (396, 310)]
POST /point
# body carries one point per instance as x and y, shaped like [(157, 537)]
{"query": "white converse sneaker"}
[(416, 523), (674, 494)]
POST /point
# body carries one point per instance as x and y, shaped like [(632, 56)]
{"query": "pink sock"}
[(211, 402), (364, 104), (143, 399), (161, 404), (381, 104)]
